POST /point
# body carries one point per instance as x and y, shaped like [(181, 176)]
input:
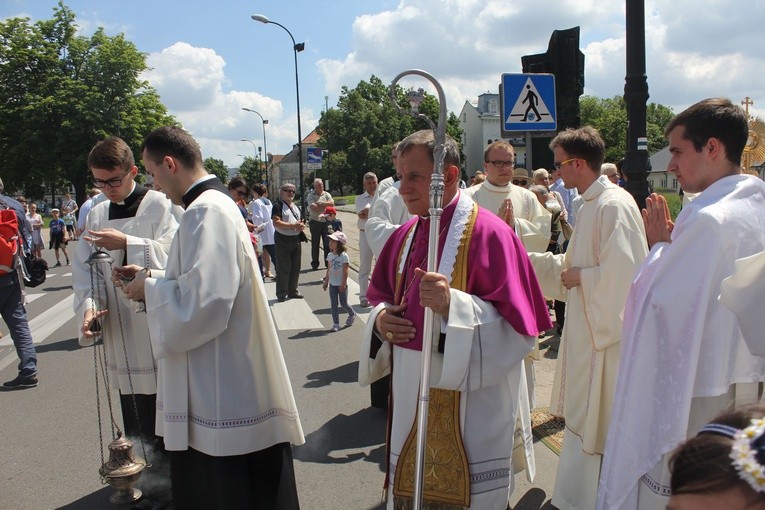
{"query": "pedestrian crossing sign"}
[(527, 103)]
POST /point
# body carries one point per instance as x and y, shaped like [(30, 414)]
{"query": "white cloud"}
[(709, 48), (192, 84), (467, 45)]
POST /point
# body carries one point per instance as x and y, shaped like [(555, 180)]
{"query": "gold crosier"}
[(446, 474)]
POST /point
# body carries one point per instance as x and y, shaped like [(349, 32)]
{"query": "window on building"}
[(493, 106), (674, 183)]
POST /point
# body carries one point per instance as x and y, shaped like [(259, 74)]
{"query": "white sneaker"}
[(350, 320), (335, 327)]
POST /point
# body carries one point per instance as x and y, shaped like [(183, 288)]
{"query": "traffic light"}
[(565, 60)]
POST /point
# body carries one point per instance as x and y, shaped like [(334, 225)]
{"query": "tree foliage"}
[(60, 93), (252, 170), (217, 167), (360, 132), (609, 116)]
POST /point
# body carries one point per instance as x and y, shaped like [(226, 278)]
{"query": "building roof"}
[(660, 160), (311, 138)]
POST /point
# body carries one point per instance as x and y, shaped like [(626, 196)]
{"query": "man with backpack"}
[(11, 301)]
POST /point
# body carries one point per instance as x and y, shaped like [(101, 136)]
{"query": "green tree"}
[(609, 116), (360, 132), (251, 170), (217, 167), (61, 93)]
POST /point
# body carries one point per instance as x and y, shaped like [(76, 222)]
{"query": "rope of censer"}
[(123, 469)]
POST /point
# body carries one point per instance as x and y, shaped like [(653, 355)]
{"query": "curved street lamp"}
[(254, 147), (296, 47), (265, 145)]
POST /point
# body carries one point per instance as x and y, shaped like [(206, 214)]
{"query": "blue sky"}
[(210, 59)]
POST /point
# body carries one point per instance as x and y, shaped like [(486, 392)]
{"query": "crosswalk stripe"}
[(32, 297), (47, 322), (297, 314)]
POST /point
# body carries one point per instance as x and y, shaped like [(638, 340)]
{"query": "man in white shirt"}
[(363, 205), (225, 403), (683, 356), (515, 204), (593, 277), (135, 225)]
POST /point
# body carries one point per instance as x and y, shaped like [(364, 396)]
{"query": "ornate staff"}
[(436, 198)]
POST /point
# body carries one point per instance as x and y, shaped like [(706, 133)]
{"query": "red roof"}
[(311, 138)]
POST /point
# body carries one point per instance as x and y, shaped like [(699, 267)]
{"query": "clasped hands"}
[(434, 294)]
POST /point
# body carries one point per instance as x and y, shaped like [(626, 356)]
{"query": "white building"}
[(658, 177), (480, 126)]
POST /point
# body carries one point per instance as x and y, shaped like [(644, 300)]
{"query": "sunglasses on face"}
[(519, 182)]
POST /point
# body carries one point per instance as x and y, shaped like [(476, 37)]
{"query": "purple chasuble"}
[(499, 272)]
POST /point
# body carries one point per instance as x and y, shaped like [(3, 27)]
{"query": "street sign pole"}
[(528, 105)]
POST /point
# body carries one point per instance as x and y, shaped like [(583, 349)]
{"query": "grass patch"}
[(346, 200), (674, 201)]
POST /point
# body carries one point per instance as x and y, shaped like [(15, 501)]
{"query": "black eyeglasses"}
[(112, 183), (519, 182), (501, 163)]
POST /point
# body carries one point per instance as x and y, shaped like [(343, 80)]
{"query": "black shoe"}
[(296, 295), (58, 264), (281, 299), (22, 381), (314, 265)]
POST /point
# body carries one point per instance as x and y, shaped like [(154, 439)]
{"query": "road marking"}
[(290, 314), (48, 322), (297, 314), (43, 326)]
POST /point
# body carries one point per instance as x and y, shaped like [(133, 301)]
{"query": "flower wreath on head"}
[(748, 451)]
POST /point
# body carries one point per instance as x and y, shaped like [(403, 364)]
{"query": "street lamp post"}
[(255, 148), (265, 145), (636, 162), (296, 47)]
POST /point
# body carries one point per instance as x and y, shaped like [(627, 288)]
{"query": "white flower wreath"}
[(744, 456)]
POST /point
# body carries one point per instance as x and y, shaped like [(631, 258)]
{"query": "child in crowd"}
[(58, 237), (69, 221), (333, 224), (337, 279), (37, 223), (722, 467)]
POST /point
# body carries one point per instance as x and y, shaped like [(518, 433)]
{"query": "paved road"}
[(49, 440)]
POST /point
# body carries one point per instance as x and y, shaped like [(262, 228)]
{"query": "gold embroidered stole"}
[(446, 477)]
